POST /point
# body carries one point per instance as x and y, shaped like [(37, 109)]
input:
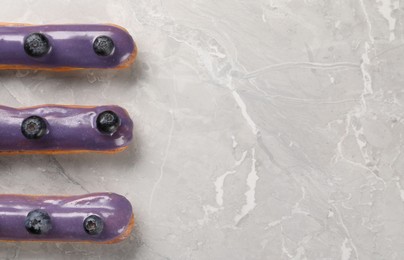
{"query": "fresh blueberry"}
[(103, 46), (38, 222), (108, 122), (36, 45), (93, 225), (33, 127)]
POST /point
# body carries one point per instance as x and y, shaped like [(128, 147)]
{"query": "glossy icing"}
[(71, 47), (70, 129), (67, 214)]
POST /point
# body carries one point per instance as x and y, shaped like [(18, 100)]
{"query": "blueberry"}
[(36, 45), (108, 122), (33, 127), (93, 225), (103, 46), (38, 222)]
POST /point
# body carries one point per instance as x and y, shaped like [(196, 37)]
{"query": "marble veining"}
[(268, 129)]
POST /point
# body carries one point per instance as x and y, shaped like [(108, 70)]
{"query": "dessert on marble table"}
[(61, 129), (96, 218), (65, 47)]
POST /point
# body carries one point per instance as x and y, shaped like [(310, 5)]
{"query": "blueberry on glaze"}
[(38, 222), (33, 127), (108, 122), (36, 45), (103, 46), (93, 225)]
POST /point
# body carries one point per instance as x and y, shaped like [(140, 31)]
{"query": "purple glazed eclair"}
[(58, 129), (65, 47), (96, 218)]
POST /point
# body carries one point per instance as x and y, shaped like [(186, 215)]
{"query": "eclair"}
[(65, 47), (94, 218), (61, 129)]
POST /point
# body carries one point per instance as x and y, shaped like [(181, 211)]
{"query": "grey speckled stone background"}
[(267, 129)]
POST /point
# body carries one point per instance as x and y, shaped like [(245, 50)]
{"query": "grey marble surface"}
[(267, 129)]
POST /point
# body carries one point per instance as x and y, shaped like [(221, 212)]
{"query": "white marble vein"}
[(252, 179)]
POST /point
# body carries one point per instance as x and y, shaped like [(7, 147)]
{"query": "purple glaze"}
[(71, 129), (71, 46), (67, 216)]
